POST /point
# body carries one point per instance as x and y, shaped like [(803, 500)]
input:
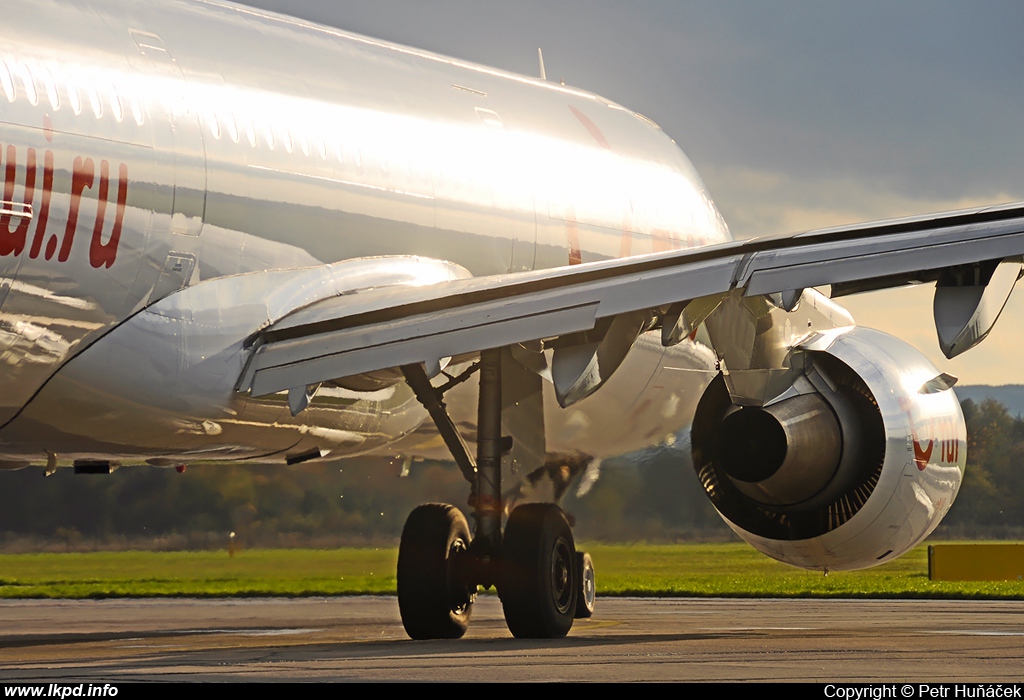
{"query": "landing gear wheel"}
[(538, 586), (586, 586), (434, 603)]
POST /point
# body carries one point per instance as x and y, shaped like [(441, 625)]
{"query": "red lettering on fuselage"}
[(572, 234), (592, 128), (81, 177), (44, 207), (626, 242), (662, 240), (100, 253), (14, 234), (12, 242)]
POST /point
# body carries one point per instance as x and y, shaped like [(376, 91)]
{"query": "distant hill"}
[(1010, 395)]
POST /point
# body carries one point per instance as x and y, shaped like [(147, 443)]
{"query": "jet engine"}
[(851, 467)]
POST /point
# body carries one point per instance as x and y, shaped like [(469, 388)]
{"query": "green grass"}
[(735, 569), (665, 570), (286, 572)]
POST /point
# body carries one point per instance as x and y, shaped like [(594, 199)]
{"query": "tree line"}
[(648, 496)]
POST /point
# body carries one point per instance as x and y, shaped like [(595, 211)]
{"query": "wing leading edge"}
[(973, 255)]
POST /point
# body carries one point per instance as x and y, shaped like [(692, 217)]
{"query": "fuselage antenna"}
[(540, 59)]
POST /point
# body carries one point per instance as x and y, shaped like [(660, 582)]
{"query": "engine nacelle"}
[(852, 467)]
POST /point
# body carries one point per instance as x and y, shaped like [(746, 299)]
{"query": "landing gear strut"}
[(542, 581)]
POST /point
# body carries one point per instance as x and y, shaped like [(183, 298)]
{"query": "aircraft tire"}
[(433, 603), (586, 585), (538, 586)]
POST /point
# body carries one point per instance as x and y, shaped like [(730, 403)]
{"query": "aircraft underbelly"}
[(90, 409), (649, 400)]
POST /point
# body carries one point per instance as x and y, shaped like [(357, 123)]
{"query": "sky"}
[(797, 114)]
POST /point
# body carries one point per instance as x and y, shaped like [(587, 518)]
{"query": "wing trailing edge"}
[(395, 326)]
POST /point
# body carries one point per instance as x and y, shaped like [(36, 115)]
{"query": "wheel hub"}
[(561, 575), (459, 592), (589, 588)]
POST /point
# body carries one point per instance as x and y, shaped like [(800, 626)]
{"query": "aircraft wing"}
[(395, 326)]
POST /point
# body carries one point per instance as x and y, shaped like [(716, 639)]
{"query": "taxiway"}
[(361, 639)]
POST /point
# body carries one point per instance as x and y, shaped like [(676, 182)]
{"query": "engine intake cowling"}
[(853, 467)]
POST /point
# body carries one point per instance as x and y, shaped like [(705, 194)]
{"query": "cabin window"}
[(213, 125), (232, 127), (94, 100), (250, 131), (73, 97), (6, 81), (136, 108), (51, 88), (115, 105), (30, 86)]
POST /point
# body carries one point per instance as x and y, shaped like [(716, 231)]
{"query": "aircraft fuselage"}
[(153, 150)]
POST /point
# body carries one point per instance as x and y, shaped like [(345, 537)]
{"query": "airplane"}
[(232, 235)]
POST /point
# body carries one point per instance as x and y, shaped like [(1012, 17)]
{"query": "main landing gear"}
[(543, 582), (433, 601)]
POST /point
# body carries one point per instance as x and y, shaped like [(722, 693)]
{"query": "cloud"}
[(763, 202)]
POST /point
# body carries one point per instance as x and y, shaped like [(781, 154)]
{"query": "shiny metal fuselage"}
[(180, 174)]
